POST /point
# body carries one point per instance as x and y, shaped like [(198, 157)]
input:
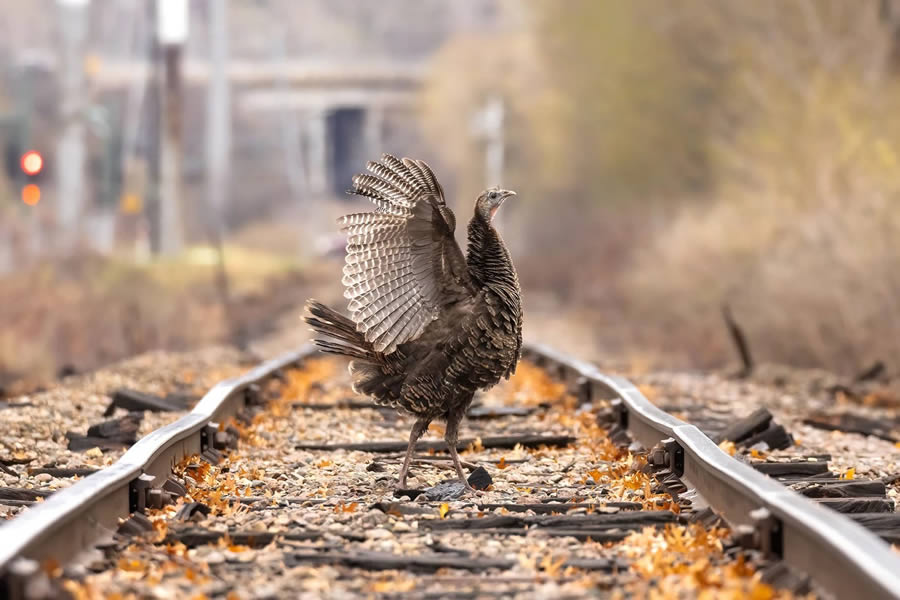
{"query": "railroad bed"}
[(283, 486)]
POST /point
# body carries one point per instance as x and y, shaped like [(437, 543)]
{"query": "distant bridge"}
[(334, 106)]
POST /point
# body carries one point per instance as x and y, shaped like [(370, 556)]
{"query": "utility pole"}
[(495, 152), (218, 155), (149, 132), (70, 151), (172, 31), (488, 126), (291, 135)]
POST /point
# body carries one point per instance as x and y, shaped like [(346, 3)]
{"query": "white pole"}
[(218, 114), (494, 154), (487, 125), (70, 150), (291, 134)]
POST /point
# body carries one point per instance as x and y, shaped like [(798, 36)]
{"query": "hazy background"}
[(671, 158)]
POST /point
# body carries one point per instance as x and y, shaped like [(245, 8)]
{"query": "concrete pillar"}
[(374, 132), (316, 138)]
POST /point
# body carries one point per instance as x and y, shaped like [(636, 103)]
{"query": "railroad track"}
[(279, 483)]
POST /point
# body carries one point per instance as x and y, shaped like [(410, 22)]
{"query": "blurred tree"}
[(804, 150), (766, 131), (605, 105)]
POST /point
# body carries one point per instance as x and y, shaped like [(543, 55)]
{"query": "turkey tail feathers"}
[(328, 322)]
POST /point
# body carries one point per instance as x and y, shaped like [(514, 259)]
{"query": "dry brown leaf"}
[(552, 567), (394, 585), (728, 447)]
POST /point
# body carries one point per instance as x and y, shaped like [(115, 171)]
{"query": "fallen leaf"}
[(132, 565), (551, 567), (761, 591), (501, 464), (443, 510), (394, 585)]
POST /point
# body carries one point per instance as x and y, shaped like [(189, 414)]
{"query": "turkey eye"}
[(493, 195)]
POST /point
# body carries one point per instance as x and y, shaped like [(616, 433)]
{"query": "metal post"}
[(218, 113), (218, 154), (494, 154), (294, 165), (488, 125), (149, 130), (172, 27), (70, 150)]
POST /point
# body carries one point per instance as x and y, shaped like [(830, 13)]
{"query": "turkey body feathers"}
[(427, 327)]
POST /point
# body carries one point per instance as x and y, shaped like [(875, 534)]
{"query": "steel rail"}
[(837, 553), (74, 518)]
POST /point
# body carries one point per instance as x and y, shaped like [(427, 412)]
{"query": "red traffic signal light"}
[(32, 162)]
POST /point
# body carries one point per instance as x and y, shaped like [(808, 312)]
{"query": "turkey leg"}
[(451, 436), (417, 430)]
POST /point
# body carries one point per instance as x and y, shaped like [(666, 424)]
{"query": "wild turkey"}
[(428, 327)]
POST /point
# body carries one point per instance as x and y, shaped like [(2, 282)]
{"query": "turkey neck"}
[(488, 259)]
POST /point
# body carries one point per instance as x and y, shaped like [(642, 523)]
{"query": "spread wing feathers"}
[(402, 262)]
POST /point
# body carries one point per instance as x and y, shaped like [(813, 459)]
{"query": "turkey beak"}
[(508, 194)]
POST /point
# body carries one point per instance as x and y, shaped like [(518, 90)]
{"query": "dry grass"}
[(88, 310), (812, 287)]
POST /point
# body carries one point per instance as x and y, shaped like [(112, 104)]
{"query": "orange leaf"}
[(502, 463), (443, 510), (132, 565), (761, 591), (727, 447)]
